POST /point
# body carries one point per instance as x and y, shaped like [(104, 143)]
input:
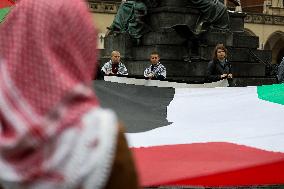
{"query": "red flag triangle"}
[(6, 3)]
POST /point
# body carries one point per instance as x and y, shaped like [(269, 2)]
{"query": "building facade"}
[(265, 19)]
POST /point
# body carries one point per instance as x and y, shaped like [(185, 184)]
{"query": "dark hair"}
[(219, 46)]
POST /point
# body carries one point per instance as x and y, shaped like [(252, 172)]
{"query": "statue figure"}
[(151, 3), (130, 16), (213, 13), (183, 32)]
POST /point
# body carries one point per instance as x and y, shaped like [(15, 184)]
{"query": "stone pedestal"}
[(187, 56)]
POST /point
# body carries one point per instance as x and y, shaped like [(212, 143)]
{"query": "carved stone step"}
[(234, 39), (167, 52), (165, 37), (239, 54)]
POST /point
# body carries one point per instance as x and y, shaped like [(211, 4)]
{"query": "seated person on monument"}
[(129, 19), (280, 75), (114, 66), (219, 67), (156, 70), (213, 15)]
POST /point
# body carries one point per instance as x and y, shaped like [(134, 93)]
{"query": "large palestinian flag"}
[(5, 6), (206, 137)]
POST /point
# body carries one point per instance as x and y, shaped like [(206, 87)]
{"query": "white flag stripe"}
[(234, 115), (158, 83)]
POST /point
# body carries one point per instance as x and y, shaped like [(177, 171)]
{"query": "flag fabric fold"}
[(217, 137)]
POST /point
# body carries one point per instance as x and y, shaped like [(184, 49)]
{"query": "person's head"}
[(220, 52), (51, 45), (154, 58), (115, 57)]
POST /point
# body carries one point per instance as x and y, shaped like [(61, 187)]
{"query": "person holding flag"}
[(219, 67), (156, 70)]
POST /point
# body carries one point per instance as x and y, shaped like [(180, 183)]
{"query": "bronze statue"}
[(130, 16)]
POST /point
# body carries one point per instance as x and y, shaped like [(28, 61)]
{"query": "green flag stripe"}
[(3, 13), (272, 93)]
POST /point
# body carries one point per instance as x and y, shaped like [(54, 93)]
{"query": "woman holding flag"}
[(219, 67)]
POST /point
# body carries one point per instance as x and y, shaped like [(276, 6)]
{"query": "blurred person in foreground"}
[(53, 132)]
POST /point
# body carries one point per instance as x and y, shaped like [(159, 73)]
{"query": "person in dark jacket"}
[(219, 67)]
